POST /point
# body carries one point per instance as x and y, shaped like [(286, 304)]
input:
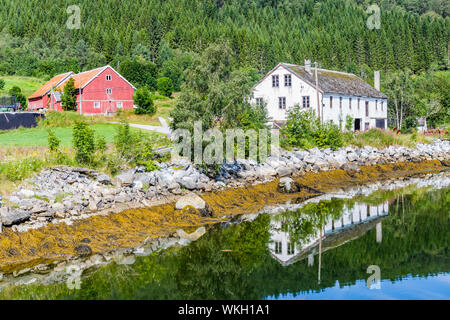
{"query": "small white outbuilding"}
[(338, 95)]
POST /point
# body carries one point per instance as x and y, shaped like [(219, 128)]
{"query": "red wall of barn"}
[(38, 103), (95, 91)]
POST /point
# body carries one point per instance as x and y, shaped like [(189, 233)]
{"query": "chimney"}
[(376, 82), (308, 66)]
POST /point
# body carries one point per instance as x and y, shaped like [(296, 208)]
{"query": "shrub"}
[(53, 141), (349, 123), (304, 130), (20, 97), (83, 142), (165, 86), (69, 96), (2, 84), (18, 170), (143, 99), (134, 148)]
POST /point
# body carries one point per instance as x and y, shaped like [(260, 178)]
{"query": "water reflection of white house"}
[(286, 252)]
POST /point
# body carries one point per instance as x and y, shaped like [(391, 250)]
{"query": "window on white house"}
[(340, 103), (287, 80), (108, 77), (350, 103), (306, 103), (259, 101), (275, 81), (331, 102), (108, 91), (358, 102), (97, 105), (290, 248), (282, 102), (376, 105), (119, 105), (278, 247), (382, 105)]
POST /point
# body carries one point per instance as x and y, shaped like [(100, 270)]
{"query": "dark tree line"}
[(35, 41)]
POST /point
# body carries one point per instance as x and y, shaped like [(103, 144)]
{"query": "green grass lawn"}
[(37, 137), (28, 84)]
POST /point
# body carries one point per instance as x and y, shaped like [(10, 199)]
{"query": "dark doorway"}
[(357, 124)]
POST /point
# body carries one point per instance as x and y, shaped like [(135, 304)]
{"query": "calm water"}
[(405, 235)]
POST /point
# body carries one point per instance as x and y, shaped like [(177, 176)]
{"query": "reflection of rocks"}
[(59, 271), (191, 236), (83, 250)]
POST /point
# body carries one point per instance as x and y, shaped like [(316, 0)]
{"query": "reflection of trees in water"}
[(415, 241)]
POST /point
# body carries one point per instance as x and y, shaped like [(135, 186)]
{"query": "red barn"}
[(103, 91)]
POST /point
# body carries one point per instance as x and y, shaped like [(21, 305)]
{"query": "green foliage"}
[(133, 148), (2, 84), (69, 96), (83, 143), (53, 141), (164, 32), (20, 169), (139, 72), (143, 99), (165, 86), (349, 123), (20, 97), (100, 144), (304, 130), (216, 95)]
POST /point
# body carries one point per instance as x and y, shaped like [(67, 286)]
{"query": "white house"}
[(286, 252), (339, 94)]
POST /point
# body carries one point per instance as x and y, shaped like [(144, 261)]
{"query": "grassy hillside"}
[(27, 84)]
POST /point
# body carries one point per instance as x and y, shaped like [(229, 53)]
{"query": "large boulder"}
[(104, 179), (165, 179), (288, 185), (125, 179), (189, 183), (13, 217), (193, 201)]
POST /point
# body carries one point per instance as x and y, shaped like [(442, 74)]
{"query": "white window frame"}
[(259, 101), (288, 80), (108, 91), (282, 103), (97, 105), (275, 81), (119, 105), (108, 77), (306, 102)]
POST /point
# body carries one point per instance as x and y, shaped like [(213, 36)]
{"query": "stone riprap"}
[(65, 194)]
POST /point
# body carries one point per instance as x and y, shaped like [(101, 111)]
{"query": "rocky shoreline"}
[(66, 194), (63, 271)]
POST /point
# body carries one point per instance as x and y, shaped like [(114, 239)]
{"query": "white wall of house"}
[(294, 94), (354, 107), (299, 88)]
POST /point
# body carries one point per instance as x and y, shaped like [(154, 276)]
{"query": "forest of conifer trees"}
[(35, 41)]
